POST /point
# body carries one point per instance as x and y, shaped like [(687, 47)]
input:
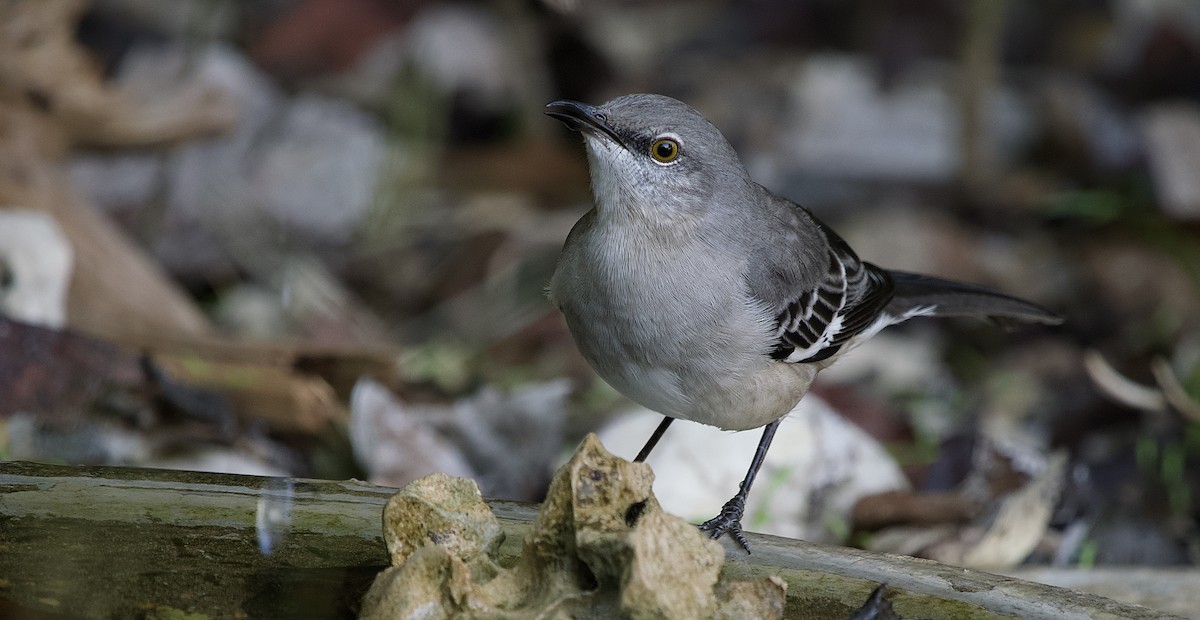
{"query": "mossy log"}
[(83, 542)]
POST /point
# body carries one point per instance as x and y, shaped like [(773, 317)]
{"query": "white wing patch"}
[(818, 328), (848, 302)]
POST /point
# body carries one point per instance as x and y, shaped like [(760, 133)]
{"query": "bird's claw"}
[(728, 522)]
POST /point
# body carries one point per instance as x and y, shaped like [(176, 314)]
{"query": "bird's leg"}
[(730, 519), (653, 441)]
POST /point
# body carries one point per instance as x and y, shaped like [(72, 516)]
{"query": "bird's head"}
[(654, 156)]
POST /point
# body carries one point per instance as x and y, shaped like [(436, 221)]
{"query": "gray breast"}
[(662, 324)]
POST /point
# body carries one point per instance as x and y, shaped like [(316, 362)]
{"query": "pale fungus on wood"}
[(601, 546)]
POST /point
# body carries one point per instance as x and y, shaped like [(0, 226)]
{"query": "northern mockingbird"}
[(703, 296)]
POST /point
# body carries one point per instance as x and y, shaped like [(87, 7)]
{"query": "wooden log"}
[(86, 542)]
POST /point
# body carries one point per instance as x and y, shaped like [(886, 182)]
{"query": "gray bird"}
[(703, 296)]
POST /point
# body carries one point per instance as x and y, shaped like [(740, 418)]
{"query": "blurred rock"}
[(35, 268), (633, 39), (118, 182), (300, 298), (395, 443), (203, 187), (307, 167), (845, 124), (1172, 135), (818, 469), (100, 440), (252, 311), (464, 50), (508, 441), (316, 173), (93, 442), (54, 99), (512, 439), (458, 58)]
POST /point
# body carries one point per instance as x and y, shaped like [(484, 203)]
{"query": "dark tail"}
[(918, 295)]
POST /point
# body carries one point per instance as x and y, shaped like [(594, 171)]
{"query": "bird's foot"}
[(728, 522)]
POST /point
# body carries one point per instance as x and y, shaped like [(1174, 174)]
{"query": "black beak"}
[(582, 117)]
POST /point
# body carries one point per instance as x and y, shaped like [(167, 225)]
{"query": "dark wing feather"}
[(927, 295), (847, 302)]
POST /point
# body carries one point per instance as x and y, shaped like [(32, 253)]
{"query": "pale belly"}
[(690, 354), (741, 401)]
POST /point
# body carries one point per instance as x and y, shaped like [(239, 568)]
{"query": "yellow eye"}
[(664, 150)]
